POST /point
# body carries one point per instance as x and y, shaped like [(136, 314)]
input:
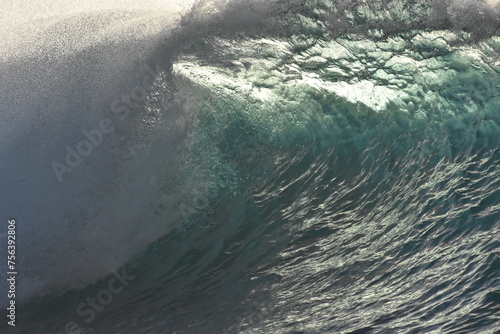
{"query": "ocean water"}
[(288, 167)]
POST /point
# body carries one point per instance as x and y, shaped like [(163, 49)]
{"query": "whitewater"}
[(305, 166)]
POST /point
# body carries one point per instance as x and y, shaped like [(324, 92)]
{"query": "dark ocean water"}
[(340, 174)]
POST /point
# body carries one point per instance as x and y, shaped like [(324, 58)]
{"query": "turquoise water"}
[(341, 175)]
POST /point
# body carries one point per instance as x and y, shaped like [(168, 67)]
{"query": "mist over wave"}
[(61, 74)]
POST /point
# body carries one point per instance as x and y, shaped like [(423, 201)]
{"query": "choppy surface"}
[(340, 173)]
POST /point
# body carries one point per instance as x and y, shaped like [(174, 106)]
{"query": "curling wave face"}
[(374, 168), (314, 166)]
